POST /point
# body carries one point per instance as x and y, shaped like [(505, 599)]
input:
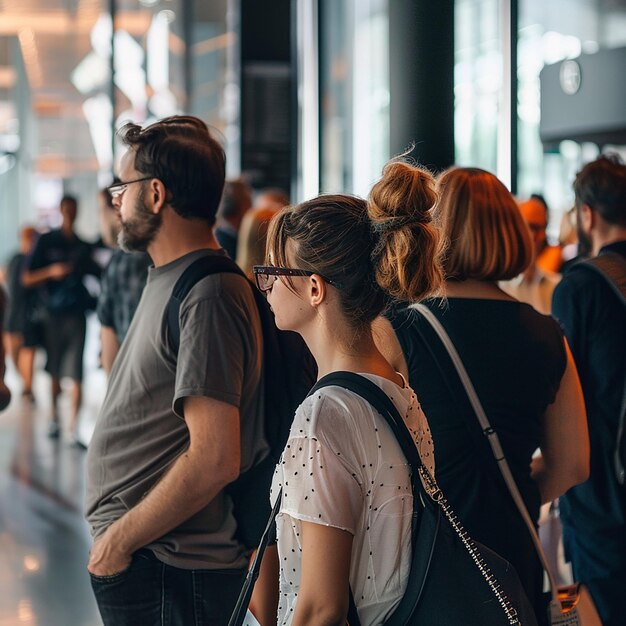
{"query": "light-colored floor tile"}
[(44, 540)]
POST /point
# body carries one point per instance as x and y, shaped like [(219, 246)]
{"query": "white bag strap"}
[(492, 437)]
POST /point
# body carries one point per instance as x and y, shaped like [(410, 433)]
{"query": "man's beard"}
[(138, 232)]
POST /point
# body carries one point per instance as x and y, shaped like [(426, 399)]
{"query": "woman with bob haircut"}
[(337, 262), (518, 361)]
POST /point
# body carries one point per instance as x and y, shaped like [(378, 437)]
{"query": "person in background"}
[(270, 198), (536, 283), (536, 214), (5, 392), (176, 426), (58, 263), (593, 317), (252, 237), (22, 330), (518, 362), (345, 517), (122, 282), (573, 248), (236, 201)]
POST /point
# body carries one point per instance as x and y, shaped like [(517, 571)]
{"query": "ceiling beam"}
[(61, 23)]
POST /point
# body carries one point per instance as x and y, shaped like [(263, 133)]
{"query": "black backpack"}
[(289, 372)]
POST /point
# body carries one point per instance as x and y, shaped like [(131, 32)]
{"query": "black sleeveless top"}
[(515, 358)]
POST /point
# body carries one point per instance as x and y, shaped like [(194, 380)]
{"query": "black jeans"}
[(151, 593)]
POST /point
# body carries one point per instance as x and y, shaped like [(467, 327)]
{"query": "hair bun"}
[(407, 254)]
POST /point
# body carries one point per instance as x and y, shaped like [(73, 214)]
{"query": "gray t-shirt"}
[(141, 430)]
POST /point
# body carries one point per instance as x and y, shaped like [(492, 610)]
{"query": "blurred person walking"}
[(5, 392), (518, 362), (176, 426), (591, 308), (23, 321), (58, 263)]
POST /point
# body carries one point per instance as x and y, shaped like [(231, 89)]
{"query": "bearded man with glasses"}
[(176, 426)]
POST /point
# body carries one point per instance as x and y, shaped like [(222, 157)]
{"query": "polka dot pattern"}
[(343, 468)]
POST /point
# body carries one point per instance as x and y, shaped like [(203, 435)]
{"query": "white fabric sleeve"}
[(320, 484)]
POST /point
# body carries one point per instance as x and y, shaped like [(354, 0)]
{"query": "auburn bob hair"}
[(486, 233)]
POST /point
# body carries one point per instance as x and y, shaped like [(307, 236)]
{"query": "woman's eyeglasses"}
[(266, 275)]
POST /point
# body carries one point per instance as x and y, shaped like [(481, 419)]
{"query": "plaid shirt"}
[(122, 285)]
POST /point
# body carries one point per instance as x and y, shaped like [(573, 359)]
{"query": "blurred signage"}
[(585, 99)]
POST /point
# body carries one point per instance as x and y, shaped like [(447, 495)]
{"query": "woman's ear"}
[(317, 290)]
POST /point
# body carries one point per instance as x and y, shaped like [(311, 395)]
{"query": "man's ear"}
[(317, 290), (587, 218), (156, 196)]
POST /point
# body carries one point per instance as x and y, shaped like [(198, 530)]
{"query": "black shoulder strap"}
[(612, 267), (380, 401), (241, 607), (373, 394), (195, 272)]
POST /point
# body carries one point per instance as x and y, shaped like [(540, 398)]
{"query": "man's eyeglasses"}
[(266, 275), (118, 189)]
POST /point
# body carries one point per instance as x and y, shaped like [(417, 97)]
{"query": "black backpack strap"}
[(612, 267), (269, 534), (373, 394), (195, 272), (380, 401)]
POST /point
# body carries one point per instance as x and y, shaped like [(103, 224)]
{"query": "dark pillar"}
[(267, 121), (112, 95), (421, 60), (188, 9)]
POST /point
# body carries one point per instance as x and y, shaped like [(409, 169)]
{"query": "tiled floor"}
[(44, 540)]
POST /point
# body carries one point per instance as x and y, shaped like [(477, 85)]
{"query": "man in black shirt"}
[(57, 266), (593, 317)]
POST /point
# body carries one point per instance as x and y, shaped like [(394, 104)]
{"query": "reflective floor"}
[(44, 540)]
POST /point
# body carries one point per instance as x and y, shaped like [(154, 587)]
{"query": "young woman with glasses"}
[(335, 263)]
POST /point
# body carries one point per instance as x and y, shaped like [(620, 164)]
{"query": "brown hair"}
[(376, 251), (601, 185), (252, 239), (183, 154), (486, 233), (236, 199)]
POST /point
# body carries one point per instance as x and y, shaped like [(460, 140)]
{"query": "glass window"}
[(550, 32), (354, 93), (477, 82)]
